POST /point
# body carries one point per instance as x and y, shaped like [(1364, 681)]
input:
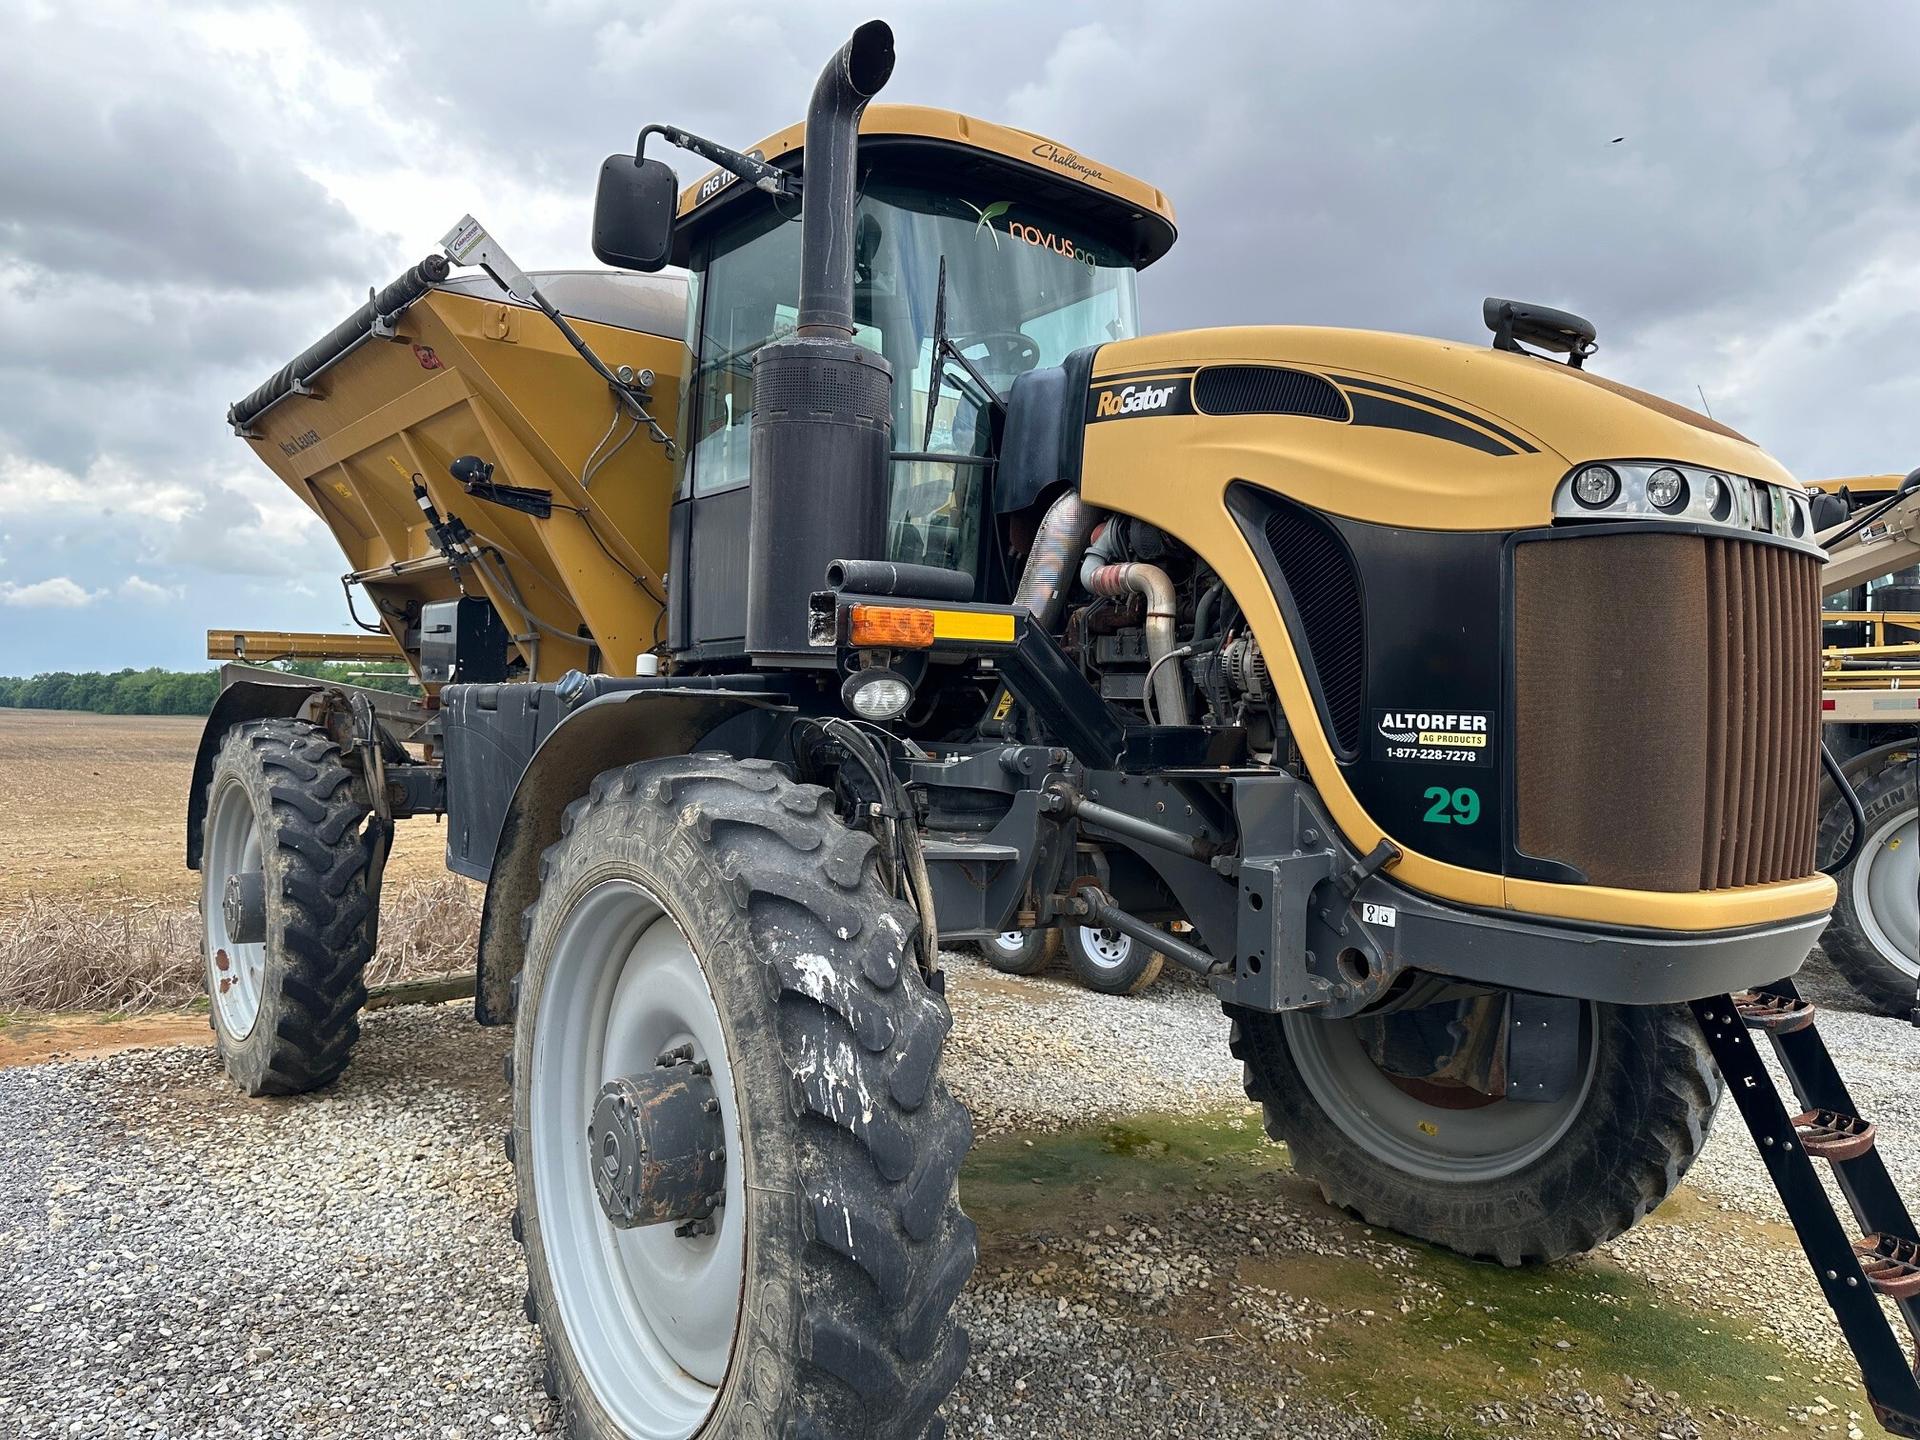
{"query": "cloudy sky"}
[(189, 194)]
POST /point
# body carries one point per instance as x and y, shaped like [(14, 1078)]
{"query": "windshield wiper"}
[(943, 350)]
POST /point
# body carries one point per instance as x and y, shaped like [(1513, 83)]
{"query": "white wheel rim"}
[(1108, 949), (1403, 1131), (650, 1315), (236, 974), (1886, 892), (1011, 941)]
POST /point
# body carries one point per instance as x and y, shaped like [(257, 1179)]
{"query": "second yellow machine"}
[(1461, 700)]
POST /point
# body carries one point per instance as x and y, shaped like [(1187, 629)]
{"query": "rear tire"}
[(1021, 952), (1551, 1186), (1107, 961), (843, 1145), (1874, 936), (282, 804)]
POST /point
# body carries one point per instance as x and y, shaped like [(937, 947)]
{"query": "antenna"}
[(1703, 402)]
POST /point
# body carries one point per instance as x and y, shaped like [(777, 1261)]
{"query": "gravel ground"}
[(178, 1261), (1041, 1055)]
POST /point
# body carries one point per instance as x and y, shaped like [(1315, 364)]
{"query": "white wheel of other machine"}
[(1107, 961)]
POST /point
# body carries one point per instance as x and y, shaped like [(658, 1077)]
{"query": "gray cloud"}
[(189, 196), (175, 178)]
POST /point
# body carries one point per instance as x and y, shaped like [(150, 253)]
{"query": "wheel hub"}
[(657, 1147), (1107, 947), (243, 906)]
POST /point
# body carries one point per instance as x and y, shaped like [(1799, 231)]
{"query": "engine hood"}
[(1423, 432)]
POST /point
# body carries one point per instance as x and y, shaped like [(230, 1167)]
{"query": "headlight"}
[(1671, 490), (876, 694), (1666, 488), (1596, 486)]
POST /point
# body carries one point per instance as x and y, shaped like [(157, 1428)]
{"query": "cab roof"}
[(1127, 212)]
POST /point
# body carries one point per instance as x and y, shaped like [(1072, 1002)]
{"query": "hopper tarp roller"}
[(339, 340)]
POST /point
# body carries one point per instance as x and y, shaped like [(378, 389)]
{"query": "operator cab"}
[(1040, 250)]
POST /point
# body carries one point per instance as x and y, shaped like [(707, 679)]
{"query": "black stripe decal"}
[(1430, 402), (1377, 410), (1163, 372)]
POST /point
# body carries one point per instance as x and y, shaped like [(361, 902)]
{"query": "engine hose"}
[(1203, 610), (1137, 577), (1859, 832), (1055, 556)]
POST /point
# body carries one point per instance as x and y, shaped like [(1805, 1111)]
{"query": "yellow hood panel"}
[(1539, 417)]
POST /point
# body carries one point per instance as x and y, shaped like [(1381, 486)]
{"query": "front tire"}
[(1874, 936), (284, 984), (1506, 1181), (713, 902)]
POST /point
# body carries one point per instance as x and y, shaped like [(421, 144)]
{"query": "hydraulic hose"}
[(1857, 836)]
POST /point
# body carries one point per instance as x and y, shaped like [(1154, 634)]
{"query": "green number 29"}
[(1452, 807)]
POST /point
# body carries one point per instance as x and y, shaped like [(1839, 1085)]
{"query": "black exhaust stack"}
[(822, 405)]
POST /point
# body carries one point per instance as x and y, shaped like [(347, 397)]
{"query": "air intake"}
[(1266, 390), (1667, 695), (1323, 600)]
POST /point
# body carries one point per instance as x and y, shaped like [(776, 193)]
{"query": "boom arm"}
[(1856, 553)]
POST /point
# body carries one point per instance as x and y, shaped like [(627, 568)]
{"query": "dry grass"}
[(97, 906), (131, 954)]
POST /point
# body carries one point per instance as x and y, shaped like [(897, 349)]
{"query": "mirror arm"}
[(756, 173)]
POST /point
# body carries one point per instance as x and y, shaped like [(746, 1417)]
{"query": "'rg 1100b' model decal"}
[(1434, 737)]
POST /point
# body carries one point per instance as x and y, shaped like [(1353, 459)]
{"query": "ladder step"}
[(1892, 1265), (1829, 1135), (1775, 1014)]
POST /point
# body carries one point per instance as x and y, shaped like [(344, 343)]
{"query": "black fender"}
[(1868, 760), (240, 701), (615, 729)]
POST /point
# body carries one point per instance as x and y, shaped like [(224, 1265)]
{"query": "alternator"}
[(1245, 667)]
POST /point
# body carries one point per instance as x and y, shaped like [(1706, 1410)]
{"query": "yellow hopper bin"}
[(455, 444)]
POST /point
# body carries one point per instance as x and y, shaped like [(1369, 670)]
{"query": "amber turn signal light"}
[(887, 627)]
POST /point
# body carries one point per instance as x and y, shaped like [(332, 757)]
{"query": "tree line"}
[(154, 691)]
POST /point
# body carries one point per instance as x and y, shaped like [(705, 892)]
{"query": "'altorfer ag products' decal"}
[(1434, 737)]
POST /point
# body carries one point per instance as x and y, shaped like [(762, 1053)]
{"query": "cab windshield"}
[(1022, 291)]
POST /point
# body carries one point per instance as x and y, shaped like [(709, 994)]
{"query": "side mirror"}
[(633, 212)]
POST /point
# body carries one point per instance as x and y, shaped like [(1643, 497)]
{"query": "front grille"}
[(1266, 390), (1323, 586), (1666, 702)]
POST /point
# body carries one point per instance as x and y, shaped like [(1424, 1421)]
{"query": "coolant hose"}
[(1135, 577)]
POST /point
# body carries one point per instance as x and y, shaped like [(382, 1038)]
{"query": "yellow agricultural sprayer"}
[(1460, 702)]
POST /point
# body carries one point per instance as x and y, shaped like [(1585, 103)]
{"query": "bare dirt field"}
[(95, 806), (97, 906)]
